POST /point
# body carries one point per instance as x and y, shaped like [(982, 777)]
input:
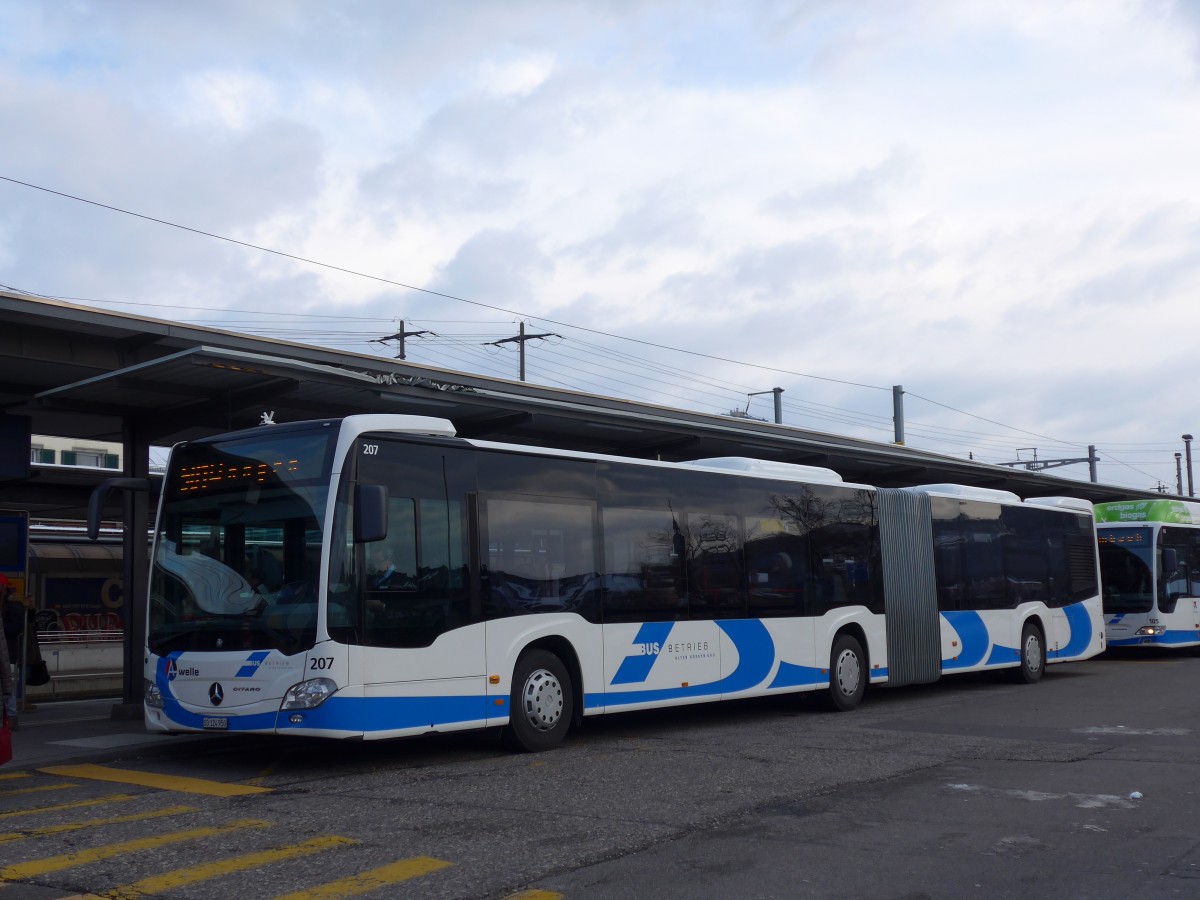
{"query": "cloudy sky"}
[(994, 204)]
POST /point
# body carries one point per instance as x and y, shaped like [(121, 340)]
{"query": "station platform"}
[(93, 729)]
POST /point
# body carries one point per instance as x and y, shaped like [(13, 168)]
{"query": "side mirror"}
[(100, 493), (370, 513), (1170, 560)]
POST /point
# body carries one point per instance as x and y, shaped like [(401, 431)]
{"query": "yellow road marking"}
[(161, 782), (40, 789), (170, 881), (262, 776), (38, 867), (353, 885), (536, 895), (9, 776), (74, 804), (93, 823)]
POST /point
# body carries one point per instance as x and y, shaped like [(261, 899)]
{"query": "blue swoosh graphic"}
[(1001, 654), (388, 713), (972, 634), (1081, 631), (756, 658), (792, 675)]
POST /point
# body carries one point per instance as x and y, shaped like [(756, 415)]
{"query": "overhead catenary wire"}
[(854, 419), (412, 287)]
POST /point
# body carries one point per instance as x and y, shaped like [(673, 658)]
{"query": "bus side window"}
[(776, 567), (714, 565), (541, 557), (644, 553), (1174, 579)]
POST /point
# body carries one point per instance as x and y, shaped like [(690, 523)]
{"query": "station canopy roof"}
[(83, 373)]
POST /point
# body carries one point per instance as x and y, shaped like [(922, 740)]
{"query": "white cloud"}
[(514, 77), (226, 99)]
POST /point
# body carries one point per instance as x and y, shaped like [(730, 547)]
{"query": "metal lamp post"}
[(1187, 452)]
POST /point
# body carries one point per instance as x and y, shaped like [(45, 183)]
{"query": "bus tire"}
[(542, 703), (1033, 654), (847, 673)]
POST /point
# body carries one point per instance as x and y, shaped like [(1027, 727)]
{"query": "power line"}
[(840, 417), (992, 421), (412, 287)]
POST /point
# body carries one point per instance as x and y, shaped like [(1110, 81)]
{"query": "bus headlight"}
[(151, 694), (309, 694), (1152, 630)]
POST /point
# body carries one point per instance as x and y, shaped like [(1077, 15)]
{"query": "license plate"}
[(216, 722)]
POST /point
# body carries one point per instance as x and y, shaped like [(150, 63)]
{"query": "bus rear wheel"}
[(1033, 654), (847, 673), (542, 703)]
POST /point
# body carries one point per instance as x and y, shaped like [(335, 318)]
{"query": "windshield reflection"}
[(1126, 575), (237, 558)]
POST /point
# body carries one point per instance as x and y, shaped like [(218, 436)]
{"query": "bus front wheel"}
[(847, 673), (542, 703), (1033, 654)]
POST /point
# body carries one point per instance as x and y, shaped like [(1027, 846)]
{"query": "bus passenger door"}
[(653, 653), (410, 606)]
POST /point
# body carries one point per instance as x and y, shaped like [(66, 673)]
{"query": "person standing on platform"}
[(13, 614), (35, 672), (8, 684)]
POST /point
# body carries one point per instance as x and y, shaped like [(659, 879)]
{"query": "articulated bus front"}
[(1148, 565), (235, 639)]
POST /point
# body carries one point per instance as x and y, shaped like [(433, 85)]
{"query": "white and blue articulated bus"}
[(1150, 567), (377, 577)]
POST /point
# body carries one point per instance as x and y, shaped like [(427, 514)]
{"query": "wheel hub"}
[(848, 673), (1033, 652), (542, 700)]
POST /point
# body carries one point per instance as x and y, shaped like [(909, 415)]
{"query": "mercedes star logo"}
[(216, 694)]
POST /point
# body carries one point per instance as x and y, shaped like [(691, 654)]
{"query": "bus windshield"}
[(1126, 569), (237, 553)]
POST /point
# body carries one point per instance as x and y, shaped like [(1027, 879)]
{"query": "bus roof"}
[(966, 492), (1074, 503), (768, 469), (1172, 512)]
